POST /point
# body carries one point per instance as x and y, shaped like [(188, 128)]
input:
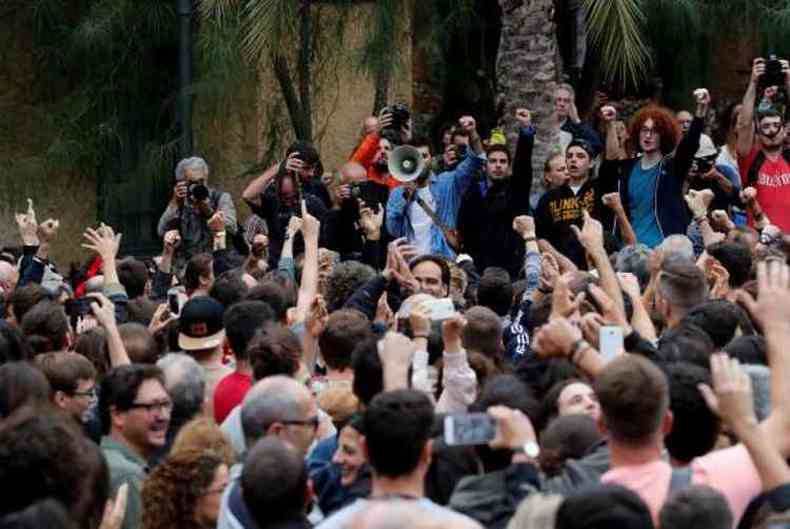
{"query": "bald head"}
[(9, 276), (272, 400), (352, 172)]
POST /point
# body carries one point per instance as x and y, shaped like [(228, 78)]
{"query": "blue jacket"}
[(447, 189)]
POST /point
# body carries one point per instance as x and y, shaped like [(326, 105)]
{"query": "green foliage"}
[(616, 29)]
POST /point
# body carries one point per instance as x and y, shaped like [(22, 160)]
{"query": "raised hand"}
[(524, 225), (371, 221), (731, 396), (311, 226), (28, 226), (591, 234), (557, 338), (48, 230), (563, 304), (523, 117), (217, 222), (103, 241), (612, 201)]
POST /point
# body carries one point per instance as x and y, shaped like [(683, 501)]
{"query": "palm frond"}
[(268, 25), (616, 29)]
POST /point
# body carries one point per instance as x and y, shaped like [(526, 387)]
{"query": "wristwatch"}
[(531, 449)]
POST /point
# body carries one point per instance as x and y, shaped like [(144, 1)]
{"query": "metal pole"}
[(184, 10)]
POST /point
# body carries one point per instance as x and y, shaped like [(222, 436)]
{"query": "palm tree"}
[(528, 70)]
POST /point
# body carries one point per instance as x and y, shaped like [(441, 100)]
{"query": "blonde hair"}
[(202, 434)]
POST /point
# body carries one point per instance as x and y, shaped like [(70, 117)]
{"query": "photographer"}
[(193, 204), (276, 194), (764, 163)]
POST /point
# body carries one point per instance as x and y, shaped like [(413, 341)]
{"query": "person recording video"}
[(191, 207)]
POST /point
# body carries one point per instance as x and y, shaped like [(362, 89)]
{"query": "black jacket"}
[(486, 216), (668, 202)]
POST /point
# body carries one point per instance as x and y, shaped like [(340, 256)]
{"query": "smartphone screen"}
[(611, 342), (469, 429)]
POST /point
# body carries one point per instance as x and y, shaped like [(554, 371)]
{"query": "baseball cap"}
[(706, 147), (584, 145), (200, 324)]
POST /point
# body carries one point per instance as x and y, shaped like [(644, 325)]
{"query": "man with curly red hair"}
[(651, 184)]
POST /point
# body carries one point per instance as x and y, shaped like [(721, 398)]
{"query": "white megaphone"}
[(405, 164)]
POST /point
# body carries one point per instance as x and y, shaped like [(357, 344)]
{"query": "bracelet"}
[(219, 234), (415, 336), (530, 239), (700, 219)]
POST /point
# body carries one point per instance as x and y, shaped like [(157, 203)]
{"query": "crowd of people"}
[(453, 348)]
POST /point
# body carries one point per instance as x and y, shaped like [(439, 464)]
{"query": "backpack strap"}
[(681, 478)]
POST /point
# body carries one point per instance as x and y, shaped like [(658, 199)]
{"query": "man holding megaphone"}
[(424, 209)]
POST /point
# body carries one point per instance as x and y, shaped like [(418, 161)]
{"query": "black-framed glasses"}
[(150, 407), (312, 422)]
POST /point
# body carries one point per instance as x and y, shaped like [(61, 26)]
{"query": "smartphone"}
[(469, 429), (610, 340), (440, 309)]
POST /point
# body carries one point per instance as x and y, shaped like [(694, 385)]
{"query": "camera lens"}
[(198, 192)]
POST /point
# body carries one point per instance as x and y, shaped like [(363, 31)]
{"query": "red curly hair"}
[(665, 123)]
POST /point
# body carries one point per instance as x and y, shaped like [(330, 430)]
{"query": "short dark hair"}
[(769, 113), (269, 461), (24, 298), (46, 327), (603, 506), (344, 280), (242, 320), (198, 266), (736, 257), (273, 294), (140, 310), (274, 350), (64, 370), (41, 513), (61, 464), (483, 332), (422, 141), (695, 428), (368, 371), (696, 506), (498, 147), (503, 390), (686, 342), (721, 320), (13, 344), (93, 346), (119, 389), (634, 397), (567, 437), (495, 290), (21, 383), (439, 261), (133, 275), (397, 425), (228, 288), (682, 283), (344, 329)]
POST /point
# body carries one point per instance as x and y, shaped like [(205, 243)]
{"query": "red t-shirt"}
[(772, 185), (229, 394)]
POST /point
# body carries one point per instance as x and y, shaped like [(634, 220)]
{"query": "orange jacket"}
[(364, 156)]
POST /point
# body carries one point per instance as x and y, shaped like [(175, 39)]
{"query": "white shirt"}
[(421, 222)]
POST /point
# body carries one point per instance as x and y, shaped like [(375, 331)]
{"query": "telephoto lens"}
[(197, 192)]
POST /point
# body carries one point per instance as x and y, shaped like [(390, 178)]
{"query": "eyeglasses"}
[(312, 422), (90, 393), (150, 407), (644, 131)]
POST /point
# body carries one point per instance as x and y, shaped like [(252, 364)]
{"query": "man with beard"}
[(407, 209), (135, 414), (373, 153), (491, 204), (563, 206), (765, 165)]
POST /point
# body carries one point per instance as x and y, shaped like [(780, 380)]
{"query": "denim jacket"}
[(447, 189)]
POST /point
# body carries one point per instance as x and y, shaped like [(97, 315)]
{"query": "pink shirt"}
[(729, 471)]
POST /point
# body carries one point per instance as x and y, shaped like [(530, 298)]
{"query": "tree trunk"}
[(305, 57), (381, 96), (295, 109), (527, 73)]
